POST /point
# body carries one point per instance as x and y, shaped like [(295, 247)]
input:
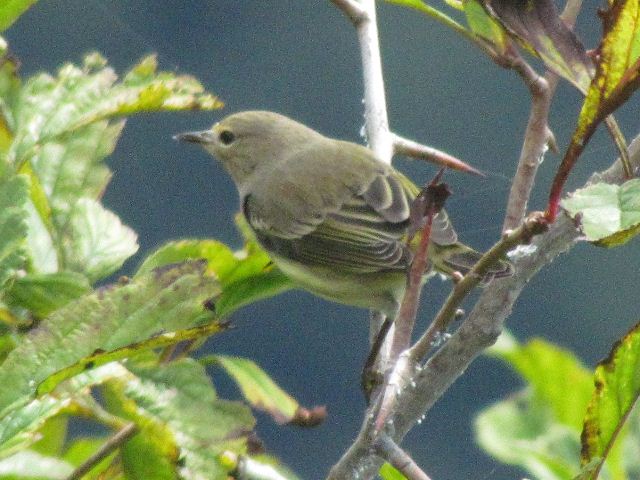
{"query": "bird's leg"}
[(371, 377)]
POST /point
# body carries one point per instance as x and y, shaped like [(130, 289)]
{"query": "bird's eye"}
[(226, 137)]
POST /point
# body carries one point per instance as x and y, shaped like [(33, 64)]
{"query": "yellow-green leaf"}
[(617, 389), (258, 388), (10, 10), (537, 25)]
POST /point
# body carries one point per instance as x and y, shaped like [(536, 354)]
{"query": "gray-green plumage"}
[(332, 216)]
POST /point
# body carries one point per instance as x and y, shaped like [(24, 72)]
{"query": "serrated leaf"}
[(538, 26), (609, 214), (152, 453), (162, 340), (560, 367), (41, 294), (61, 129), (522, 432), (19, 426), (617, 390), (99, 242), (245, 276), (81, 96), (13, 225), (72, 167), (113, 317), (35, 466), (180, 395), (258, 388)]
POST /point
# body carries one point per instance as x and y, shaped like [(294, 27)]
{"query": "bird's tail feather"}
[(460, 258)]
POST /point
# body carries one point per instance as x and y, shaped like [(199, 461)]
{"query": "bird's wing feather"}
[(352, 213)]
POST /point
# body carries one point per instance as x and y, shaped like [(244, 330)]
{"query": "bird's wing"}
[(352, 212)]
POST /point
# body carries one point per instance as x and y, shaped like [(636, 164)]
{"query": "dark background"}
[(301, 58)]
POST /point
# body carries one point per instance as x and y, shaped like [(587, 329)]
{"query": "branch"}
[(409, 148), (352, 9), (363, 16), (537, 134), (534, 225), (536, 138), (480, 330), (392, 453), (110, 446)]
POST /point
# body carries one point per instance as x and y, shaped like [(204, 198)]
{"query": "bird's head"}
[(246, 141)]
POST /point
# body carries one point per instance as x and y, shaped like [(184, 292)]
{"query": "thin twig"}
[(409, 148), (110, 446), (396, 456), (536, 139), (537, 134), (428, 203), (532, 226), (621, 144)]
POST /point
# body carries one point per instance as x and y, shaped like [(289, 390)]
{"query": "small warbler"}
[(330, 214)]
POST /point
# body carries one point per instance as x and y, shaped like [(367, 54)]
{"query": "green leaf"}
[(617, 390), (42, 294), (180, 396), (82, 448), (13, 215), (20, 426), (538, 26), (72, 167), (609, 214), (9, 86), (523, 432), (245, 276), (485, 27), (60, 129), (434, 13), (52, 436), (549, 370), (11, 10), (388, 472), (162, 340), (34, 466), (51, 108), (257, 387), (113, 317), (99, 242)]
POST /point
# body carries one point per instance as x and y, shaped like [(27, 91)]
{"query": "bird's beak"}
[(203, 137)]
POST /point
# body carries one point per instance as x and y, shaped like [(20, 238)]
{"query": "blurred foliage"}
[(560, 427), (115, 354)]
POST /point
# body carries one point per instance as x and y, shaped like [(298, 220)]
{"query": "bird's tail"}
[(458, 257)]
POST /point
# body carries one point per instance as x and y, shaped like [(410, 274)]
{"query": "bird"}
[(331, 216)]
